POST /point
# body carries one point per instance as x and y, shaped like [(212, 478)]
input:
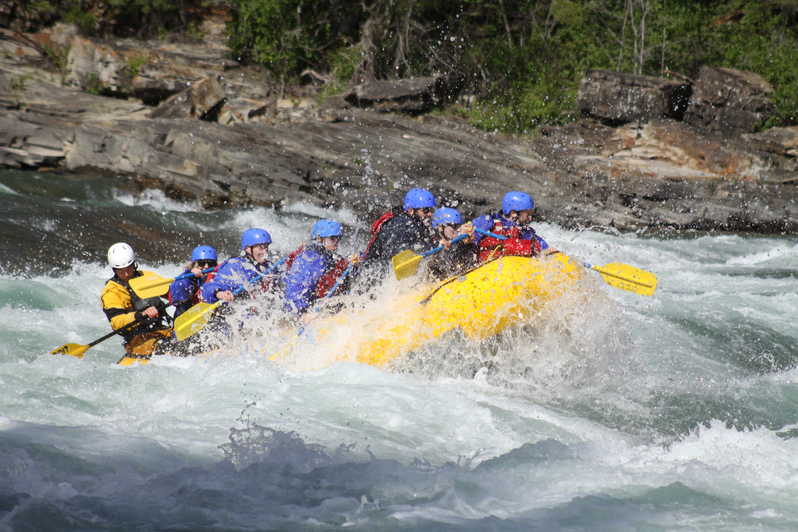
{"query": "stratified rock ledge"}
[(218, 137)]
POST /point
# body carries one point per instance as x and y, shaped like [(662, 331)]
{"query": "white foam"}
[(157, 200), (4, 189), (574, 407), (344, 215), (774, 254)]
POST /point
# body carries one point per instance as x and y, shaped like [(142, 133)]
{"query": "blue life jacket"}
[(184, 293), (234, 274), (302, 279)]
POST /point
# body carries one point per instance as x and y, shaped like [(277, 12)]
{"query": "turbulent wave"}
[(609, 412)]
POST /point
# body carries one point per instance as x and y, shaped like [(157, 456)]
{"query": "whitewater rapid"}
[(619, 412)]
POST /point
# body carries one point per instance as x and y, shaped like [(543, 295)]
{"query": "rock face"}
[(202, 100), (778, 140), (618, 98), (29, 144), (729, 101), (413, 95), (667, 176), (647, 170)]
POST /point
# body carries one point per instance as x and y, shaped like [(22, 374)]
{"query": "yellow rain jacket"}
[(122, 307)]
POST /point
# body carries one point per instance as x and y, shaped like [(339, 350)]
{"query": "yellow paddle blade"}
[(129, 360), (628, 278), (150, 284), (194, 319), (74, 350), (405, 263)]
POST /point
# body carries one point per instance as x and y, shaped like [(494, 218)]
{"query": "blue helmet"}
[(418, 198), (325, 228), (255, 236), (203, 253), (446, 215), (517, 201)]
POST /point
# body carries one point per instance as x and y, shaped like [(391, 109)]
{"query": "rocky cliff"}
[(648, 152)]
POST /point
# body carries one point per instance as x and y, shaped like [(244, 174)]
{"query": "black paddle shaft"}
[(110, 334), (122, 329)]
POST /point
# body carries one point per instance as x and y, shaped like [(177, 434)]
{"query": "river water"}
[(616, 412)]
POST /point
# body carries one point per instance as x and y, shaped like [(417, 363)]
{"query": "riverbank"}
[(188, 120)]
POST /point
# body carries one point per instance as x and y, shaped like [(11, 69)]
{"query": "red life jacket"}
[(212, 274), (208, 279), (292, 257), (375, 230), (491, 248), (328, 280)]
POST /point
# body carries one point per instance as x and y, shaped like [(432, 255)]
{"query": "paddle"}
[(143, 285), (615, 274), (405, 263), (148, 285), (626, 277), (77, 350), (194, 319)]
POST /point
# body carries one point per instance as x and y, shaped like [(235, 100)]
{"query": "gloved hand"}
[(467, 229)]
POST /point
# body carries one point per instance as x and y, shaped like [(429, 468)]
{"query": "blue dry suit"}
[(301, 285), (235, 274), (488, 221), (183, 293)]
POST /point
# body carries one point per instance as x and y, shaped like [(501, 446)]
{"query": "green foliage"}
[(134, 64), (764, 41), (290, 35), (93, 85), (194, 32), (343, 63), (532, 105), (85, 21), (42, 8), (142, 18), (567, 12), (522, 60), (57, 56)]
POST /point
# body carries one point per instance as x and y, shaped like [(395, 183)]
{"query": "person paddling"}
[(242, 276), (314, 269), (143, 323), (402, 228), (408, 228), (458, 257), (514, 223), (185, 292)]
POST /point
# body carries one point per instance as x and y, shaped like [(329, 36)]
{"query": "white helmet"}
[(121, 255)]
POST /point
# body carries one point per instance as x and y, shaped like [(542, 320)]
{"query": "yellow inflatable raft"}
[(482, 303)]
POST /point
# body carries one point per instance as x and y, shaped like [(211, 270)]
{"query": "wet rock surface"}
[(619, 98), (414, 95), (228, 139), (729, 101)]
